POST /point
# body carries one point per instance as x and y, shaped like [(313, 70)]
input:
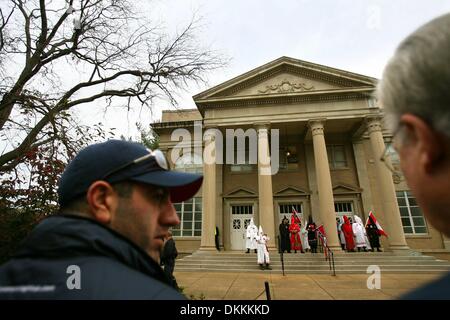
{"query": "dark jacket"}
[(436, 290), (110, 266), (170, 251)]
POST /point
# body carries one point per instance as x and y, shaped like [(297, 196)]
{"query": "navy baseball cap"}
[(116, 161)]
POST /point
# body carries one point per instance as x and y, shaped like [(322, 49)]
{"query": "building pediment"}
[(240, 193), (291, 191), (287, 76), (345, 189)]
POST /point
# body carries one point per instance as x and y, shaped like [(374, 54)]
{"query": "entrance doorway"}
[(240, 219)]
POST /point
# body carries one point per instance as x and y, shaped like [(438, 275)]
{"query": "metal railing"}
[(329, 256)]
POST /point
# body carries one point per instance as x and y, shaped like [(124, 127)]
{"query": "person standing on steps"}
[(251, 233), (285, 243), (263, 252)]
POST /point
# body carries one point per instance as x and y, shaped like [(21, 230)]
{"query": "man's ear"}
[(430, 149), (102, 201)]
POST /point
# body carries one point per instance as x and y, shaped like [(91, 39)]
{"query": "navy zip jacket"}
[(69, 257)]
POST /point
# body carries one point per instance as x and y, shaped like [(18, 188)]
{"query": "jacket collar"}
[(66, 235)]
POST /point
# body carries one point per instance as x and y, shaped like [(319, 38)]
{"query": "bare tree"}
[(117, 54)]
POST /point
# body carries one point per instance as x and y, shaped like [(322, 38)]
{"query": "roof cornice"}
[(286, 98)]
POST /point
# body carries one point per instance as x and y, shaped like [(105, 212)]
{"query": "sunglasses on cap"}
[(157, 154)]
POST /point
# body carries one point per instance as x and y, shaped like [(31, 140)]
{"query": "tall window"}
[(412, 217), (336, 156), (190, 214)]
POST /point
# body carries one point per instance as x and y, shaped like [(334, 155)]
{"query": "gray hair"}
[(417, 78)]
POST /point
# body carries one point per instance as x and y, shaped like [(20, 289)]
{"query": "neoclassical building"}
[(331, 138)]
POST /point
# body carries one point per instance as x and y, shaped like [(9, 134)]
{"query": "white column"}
[(265, 193), (209, 194), (324, 186), (389, 203)]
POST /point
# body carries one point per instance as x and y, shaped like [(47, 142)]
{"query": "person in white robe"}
[(263, 253), (360, 234), (250, 238), (304, 237), (341, 234)]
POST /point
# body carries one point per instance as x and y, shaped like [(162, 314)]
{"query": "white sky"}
[(354, 35)]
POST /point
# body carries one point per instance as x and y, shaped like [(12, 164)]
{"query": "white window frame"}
[(405, 196), (194, 232)]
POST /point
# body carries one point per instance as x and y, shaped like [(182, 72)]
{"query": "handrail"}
[(329, 256), (281, 254)]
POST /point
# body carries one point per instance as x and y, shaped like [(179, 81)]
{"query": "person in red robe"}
[(294, 229), (347, 230)]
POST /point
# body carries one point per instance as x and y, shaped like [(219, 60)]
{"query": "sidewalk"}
[(250, 286)]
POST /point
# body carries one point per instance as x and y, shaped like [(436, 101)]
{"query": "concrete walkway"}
[(250, 286)]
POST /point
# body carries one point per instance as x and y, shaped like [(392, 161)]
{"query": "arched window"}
[(192, 163)]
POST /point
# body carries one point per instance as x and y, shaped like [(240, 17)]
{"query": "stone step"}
[(313, 271), (314, 263), (307, 256), (318, 261), (343, 253), (310, 266)]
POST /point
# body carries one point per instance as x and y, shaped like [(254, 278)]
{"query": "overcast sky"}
[(354, 35)]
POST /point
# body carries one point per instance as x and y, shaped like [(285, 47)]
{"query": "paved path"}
[(250, 286)]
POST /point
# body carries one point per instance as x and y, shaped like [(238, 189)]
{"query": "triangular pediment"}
[(240, 193), (291, 191), (345, 189), (287, 76)]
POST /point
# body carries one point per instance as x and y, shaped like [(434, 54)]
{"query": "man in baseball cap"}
[(116, 210)]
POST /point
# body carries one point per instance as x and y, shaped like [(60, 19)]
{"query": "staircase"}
[(345, 263)]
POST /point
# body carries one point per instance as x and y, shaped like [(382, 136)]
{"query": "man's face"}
[(424, 161), (145, 218)]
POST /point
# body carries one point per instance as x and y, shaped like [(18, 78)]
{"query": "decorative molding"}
[(291, 191), (373, 123), (262, 127), (285, 87), (173, 124), (240, 193), (316, 126), (302, 97), (345, 189), (291, 66)]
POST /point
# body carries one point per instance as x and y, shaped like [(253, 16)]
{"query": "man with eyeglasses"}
[(415, 94), (116, 201)]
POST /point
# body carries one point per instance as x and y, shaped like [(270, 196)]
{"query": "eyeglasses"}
[(160, 159), (386, 156)]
